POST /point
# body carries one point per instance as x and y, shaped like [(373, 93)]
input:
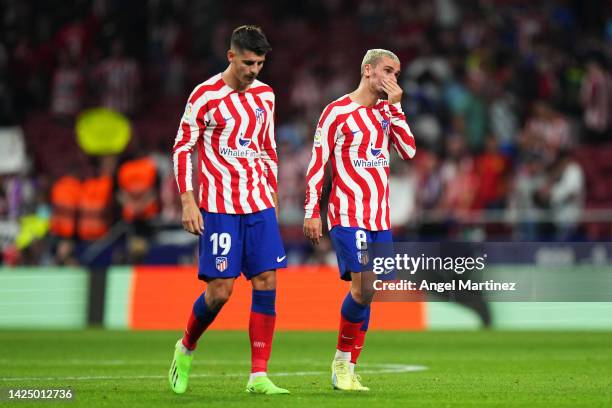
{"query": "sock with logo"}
[(201, 317), (360, 339), (261, 328), (351, 319)]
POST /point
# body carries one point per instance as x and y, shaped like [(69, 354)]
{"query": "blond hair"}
[(372, 56)]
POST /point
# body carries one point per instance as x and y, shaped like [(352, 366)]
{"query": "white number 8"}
[(223, 240), (361, 240)]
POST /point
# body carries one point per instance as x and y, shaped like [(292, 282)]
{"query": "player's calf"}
[(362, 287)]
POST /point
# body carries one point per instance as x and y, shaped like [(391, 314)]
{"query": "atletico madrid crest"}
[(385, 126), (221, 263), (260, 115), (362, 257)]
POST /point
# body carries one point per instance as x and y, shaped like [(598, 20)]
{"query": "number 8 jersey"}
[(356, 139)]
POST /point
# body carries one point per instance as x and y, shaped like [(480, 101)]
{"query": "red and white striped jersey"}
[(234, 134), (357, 140)]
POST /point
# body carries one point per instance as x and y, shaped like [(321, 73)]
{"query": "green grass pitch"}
[(457, 369)]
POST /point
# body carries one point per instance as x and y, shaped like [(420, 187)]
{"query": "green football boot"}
[(263, 385), (179, 370)]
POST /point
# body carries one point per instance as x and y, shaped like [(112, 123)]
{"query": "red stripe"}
[(319, 152), (201, 90), (361, 153), (328, 110), (380, 185), (261, 89), (387, 217), (208, 167), (250, 181), (231, 142), (259, 167), (217, 175), (348, 167), (182, 157), (186, 133), (204, 186)]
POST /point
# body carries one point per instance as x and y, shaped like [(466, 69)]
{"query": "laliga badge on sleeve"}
[(317, 138)]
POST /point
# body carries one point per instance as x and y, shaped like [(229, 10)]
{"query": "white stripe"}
[(226, 175), (207, 143), (259, 164), (325, 153), (368, 181), (383, 173), (404, 125), (192, 138), (352, 184), (244, 130), (384, 369)]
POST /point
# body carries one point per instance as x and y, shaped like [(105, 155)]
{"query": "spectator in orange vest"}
[(139, 199), (65, 196), (138, 190), (95, 202)]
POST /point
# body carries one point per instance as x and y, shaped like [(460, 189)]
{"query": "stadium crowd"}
[(510, 103)]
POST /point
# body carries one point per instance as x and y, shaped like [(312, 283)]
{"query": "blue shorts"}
[(234, 243), (352, 248)]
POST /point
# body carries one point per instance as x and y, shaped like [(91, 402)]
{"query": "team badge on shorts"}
[(362, 257), (221, 263)]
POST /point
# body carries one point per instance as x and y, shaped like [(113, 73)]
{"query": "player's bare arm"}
[(192, 218), (275, 201), (313, 230)]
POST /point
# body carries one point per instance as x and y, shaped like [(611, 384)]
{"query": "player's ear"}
[(367, 70), (230, 55)]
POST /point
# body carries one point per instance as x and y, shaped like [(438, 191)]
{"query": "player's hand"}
[(393, 91), (313, 230), (192, 218)]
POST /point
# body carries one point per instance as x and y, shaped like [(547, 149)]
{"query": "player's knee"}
[(362, 295), (264, 281), (219, 295)]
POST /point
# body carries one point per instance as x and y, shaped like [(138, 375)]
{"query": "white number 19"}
[(223, 240)]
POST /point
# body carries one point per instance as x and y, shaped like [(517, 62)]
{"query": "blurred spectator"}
[(138, 196), (402, 196), (566, 195), (546, 133), (65, 196), (596, 97), (530, 179), (503, 118), (119, 80), (95, 199), (306, 94), (491, 168), (67, 88)]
